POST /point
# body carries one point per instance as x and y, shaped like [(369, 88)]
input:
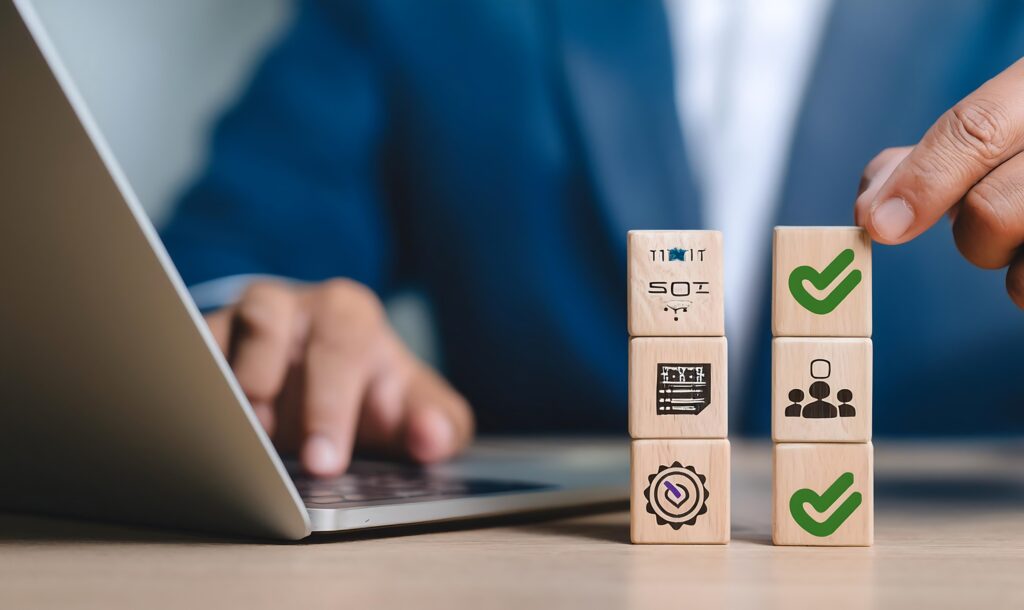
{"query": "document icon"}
[(683, 389)]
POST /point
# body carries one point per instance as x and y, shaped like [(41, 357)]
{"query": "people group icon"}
[(820, 408)]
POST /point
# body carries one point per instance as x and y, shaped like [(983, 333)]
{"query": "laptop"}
[(116, 404)]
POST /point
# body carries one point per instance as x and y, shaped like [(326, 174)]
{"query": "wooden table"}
[(949, 533)]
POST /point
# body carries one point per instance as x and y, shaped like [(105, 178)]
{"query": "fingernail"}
[(320, 455), (892, 218)]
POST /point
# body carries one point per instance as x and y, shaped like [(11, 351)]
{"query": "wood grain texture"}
[(675, 283), (650, 498), (949, 534), (816, 466), (816, 247), (803, 367), (646, 395)]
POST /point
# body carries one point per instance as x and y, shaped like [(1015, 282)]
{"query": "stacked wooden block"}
[(821, 387), (678, 404)]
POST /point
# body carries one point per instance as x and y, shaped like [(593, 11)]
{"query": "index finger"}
[(967, 142)]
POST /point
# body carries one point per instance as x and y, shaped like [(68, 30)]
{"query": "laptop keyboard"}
[(375, 483)]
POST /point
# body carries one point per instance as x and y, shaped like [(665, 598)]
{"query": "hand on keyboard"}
[(325, 374)]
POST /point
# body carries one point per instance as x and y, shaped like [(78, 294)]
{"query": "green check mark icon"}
[(821, 280), (823, 502)]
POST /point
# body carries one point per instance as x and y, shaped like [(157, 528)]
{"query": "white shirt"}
[(741, 70)]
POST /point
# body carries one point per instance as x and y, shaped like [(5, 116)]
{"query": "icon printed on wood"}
[(677, 495), (683, 389), (819, 408), (821, 281), (822, 504)]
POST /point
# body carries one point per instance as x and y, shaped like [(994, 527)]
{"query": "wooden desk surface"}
[(949, 533)]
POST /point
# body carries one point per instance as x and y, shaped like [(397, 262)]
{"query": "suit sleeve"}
[(291, 187)]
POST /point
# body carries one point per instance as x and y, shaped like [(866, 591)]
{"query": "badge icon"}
[(676, 495)]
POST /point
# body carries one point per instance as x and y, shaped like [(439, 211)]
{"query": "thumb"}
[(978, 134), (876, 173)]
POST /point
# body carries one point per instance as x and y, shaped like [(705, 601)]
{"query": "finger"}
[(964, 145), (265, 319), (342, 355), (381, 421), (878, 170), (989, 227), (219, 323), (289, 423), (1015, 280), (875, 174), (438, 420)]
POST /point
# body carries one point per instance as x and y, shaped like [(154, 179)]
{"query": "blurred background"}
[(155, 71), (156, 76)]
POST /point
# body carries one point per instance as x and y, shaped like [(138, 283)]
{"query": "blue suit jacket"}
[(494, 154)]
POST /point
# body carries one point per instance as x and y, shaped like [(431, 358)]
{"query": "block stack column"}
[(821, 387), (678, 404)]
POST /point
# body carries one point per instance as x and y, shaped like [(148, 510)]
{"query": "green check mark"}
[(821, 280), (822, 503)]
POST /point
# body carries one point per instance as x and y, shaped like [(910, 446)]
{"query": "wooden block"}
[(823, 494), (678, 387), (821, 282), (821, 390), (680, 492), (675, 284)]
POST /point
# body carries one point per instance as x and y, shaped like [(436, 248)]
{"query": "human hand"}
[(326, 374), (969, 165)]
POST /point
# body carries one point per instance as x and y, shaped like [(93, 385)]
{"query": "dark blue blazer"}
[(493, 154)]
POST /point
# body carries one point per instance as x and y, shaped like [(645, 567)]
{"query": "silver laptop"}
[(115, 402)]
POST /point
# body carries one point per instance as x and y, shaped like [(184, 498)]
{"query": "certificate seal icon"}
[(676, 495)]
